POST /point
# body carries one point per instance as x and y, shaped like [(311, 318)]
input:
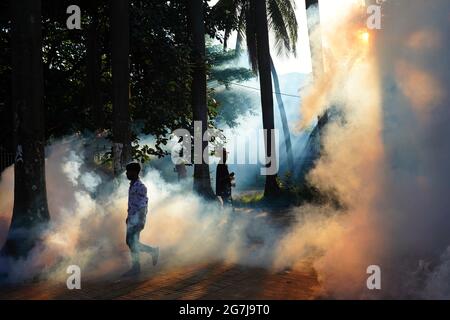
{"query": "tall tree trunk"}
[(121, 79), (239, 39), (284, 121), (225, 40), (238, 46), (202, 180), (263, 54), (30, 211), (94, 100), (315, 47)]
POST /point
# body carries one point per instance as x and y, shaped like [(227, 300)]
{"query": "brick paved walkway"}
[(213, 280), (206, 281)]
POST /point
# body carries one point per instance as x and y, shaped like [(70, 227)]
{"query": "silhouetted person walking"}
[(224, 180), (137, 213)]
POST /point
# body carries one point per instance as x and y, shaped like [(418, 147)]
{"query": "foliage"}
[(249, 200), (160, 70), (239, 15), (222, 67), (233, 105), (230, 104)]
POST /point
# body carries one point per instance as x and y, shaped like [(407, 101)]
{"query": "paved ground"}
[(213, 280), (206, 281)]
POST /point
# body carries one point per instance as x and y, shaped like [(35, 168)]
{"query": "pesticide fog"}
[(386, 159), (88, 222)]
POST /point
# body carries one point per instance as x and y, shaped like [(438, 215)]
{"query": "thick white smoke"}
[(388, 161), (414, 67), (343, 243), (88, 222)]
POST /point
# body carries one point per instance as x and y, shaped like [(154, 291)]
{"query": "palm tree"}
[(316, 50), (262, 50), (202, 180), (121, 78), (283, 22), (284, 121), (30, 210)]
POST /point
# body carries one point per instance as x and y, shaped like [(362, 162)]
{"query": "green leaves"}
[(283, 22)]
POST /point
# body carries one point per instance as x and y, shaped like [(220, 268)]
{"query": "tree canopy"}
[(160, 68)]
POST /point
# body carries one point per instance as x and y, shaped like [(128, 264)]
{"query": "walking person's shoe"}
[(155, 255), (134, 271)]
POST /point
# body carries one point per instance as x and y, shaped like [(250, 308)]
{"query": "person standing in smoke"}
[(137, 213), (180, 161), (224, 180)]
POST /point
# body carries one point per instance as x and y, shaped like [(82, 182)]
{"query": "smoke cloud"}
[(386, 159), (88, 215)]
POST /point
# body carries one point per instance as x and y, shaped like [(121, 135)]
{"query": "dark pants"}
[(227, 199), (133, 234)]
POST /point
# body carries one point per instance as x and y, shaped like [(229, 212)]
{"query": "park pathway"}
[(208, 280), (203, 281)]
